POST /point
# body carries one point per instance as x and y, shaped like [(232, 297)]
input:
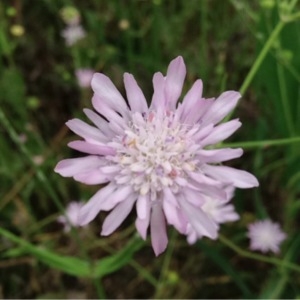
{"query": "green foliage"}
[(73, 265), (251, 46)]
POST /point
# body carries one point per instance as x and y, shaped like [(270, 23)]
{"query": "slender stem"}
[(99, 288), (165, 266), (261, 57), (292, 17), (263, 144), (264, 51), (285, 101), (269, 260), (255, 67), (143, 271)]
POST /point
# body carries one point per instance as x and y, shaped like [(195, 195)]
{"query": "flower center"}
[(155, 152)]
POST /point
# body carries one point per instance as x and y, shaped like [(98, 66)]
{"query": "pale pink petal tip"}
[(174, 81)]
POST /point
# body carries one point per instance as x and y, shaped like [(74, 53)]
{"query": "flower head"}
[(84, 77), (72, 34), (71, 216), (70, 15), (265, 236), (158, 158), (218, 209)]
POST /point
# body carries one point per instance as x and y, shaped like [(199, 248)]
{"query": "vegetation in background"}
[(251, 46)]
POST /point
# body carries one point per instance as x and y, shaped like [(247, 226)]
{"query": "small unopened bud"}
[(124, 24), (17, 30), (70, 15), (33, 102), (11, 11), (172, 277), (157, 2), (268, 4)]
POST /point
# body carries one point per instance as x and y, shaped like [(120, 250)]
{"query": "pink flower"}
[(72, 34), (218, 209), (71, 215), (265, 236), (84, 77), (158, 158)]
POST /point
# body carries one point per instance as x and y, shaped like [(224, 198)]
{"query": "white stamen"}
[(156, 152)]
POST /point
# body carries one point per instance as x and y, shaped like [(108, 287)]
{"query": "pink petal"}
[(190, 101), (159, 238), (174, 81), (227, 214), (193, 196), (135, 96), (172, 216), (86, 131), (102, 124), (73, 166), (117, 216), (200, 221), (115, 119), (204, 189), (158, 99), (221, 107), (92, 177), (143, 224), (221, 132), (218, 155), (91, 148), (110, 169), (90, 210), (238, 178), (142, 206), (203, 179), (121, 194), (203, 132), (169, 196), (192, 237), (199, 110), (108, 93), (106, 200)]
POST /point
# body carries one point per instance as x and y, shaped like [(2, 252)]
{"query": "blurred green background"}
[(251, 46)]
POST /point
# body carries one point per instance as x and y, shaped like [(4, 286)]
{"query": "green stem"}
[(264, 52), (147, 275), (262, 144), (284, 100), (99, 288), (269, 260), (292, 17), (165, 265), (261, 57)]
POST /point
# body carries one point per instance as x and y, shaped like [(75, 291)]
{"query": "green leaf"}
[(67, 264), (116, 261), (73, 265)]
